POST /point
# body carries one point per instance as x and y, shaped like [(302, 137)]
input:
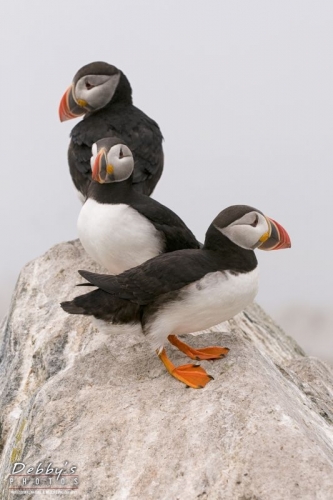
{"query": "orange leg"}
[(204, 353), (191, 375)]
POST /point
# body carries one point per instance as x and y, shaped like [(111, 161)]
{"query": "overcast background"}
[(243, 93)]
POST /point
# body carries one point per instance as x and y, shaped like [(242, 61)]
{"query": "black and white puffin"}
[(119, 227), (187, 290), (103, 94)]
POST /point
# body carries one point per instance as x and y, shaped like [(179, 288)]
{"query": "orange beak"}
[(68, 107), (277, 239), (99, 166)]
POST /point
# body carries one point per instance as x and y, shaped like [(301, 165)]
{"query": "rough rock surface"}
[(262, 430)]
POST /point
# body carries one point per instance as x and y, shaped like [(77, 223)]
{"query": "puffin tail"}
[(88, 304), (71, 308), (103, 305)]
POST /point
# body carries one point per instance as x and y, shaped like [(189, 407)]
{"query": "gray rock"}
[(262, 430)]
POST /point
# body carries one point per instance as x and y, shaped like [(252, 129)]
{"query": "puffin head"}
[(111, 160), (93, 87), (249, 228)]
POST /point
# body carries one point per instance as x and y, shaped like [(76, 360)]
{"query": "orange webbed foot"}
[(192, 375), (213, 352)]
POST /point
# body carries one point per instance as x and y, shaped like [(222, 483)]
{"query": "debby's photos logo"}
[(43, 477)]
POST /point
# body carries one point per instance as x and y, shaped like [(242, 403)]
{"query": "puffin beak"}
[(100, 165), (69, 108), (276, 238)]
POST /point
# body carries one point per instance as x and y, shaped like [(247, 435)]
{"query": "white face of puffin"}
[(95, 91), (115, 165), (94, 152), (249, 231)]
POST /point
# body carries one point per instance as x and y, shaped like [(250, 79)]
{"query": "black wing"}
[(176, 234), (165, 273)]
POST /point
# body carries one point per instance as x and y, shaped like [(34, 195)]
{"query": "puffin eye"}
[(255, 223), (121, 154), (89, 85)]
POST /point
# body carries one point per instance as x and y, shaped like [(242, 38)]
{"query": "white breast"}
[(117, 236), (215, 298)]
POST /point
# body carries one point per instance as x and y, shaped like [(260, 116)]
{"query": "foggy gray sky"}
[(242, 91)]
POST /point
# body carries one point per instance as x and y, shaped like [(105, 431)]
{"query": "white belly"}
[(215, 298), (117, 236)]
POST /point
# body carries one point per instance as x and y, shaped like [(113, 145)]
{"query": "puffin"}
[(119, 227), (102, 93), (187, 290)]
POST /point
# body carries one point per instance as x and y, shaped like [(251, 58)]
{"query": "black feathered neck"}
[(235, 257), (123, 93), (111, 192)]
